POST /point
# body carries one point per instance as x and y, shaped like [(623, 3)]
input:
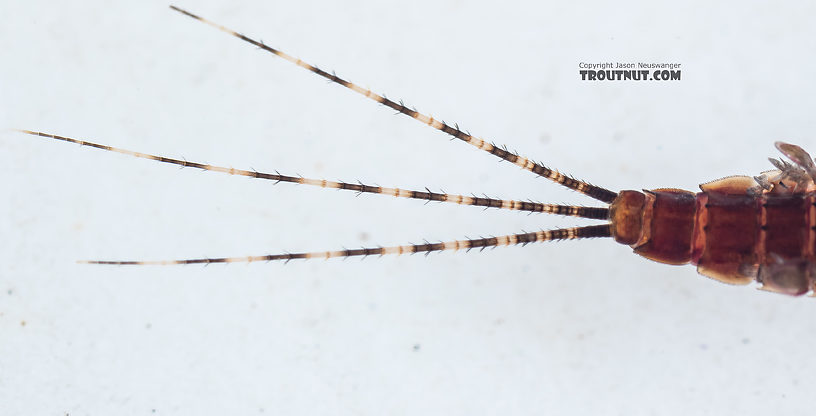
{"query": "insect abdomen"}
[(731, 235), (786, 228), (726, 236), (658, 225), (768, 238)]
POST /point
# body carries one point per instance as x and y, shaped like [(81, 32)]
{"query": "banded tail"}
[(591, 231), (596, 192), (426, 195)]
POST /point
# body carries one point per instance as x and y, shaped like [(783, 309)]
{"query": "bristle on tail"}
[(586, 188), (480, 243), (426, 195)]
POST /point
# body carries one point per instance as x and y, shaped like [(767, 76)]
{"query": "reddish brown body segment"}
[(731, 233), (668, 226), (737, 230), (728, 235)]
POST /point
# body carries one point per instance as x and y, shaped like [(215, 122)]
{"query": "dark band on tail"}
[(480, 243), (593, 191), (427, 195)]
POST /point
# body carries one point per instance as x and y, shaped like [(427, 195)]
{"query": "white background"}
[(561, 328)]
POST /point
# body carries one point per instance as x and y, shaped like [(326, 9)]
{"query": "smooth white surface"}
[(567, 328)]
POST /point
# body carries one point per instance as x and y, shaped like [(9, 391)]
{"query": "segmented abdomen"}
[(734, 237), (768, 238)]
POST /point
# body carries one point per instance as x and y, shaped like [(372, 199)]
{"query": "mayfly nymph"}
[(737, 230)]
